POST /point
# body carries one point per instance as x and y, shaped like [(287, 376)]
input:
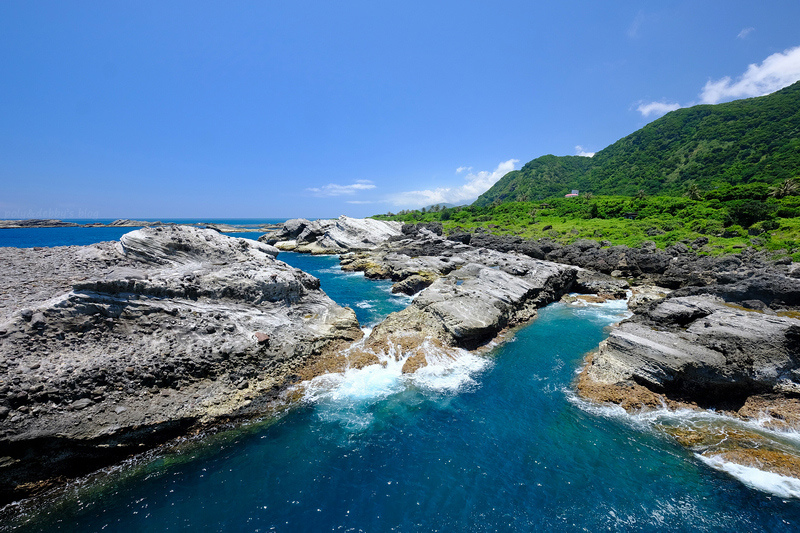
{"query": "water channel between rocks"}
[(493, 442)]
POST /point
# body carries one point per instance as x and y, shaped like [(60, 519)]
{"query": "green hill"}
[(756, 140)]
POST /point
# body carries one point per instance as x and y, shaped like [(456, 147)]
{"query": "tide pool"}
[(494, 442)]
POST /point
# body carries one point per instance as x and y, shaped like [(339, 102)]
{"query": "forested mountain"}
[(745, 141)]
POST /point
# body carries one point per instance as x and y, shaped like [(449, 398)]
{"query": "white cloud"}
[(657, 108), (775, 72), (583, 153), (360, 202), (745, 32), (332, 189), (459, 170), (477, 184), (633, 29)]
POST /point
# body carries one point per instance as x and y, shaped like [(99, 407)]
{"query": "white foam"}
[(608, 311), (777, 484), (365, 304), (445, 374), (348, 397), (337, 269), (655, 420)]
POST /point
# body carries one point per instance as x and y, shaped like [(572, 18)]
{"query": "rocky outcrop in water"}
[(704, 350), (36, 223), (698, 352), (464, 296), (726, 338), (108, 349), (472, 305), (332, 236)]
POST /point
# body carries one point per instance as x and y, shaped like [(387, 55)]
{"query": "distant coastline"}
[(222, 225)]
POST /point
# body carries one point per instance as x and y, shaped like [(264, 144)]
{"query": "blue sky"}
[(316, 109)]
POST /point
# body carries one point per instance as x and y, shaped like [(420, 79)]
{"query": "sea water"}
[(78, 236), (494, 442)]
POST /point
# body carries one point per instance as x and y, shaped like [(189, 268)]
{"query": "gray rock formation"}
[(465, 296), (332, 236), (108, 349), (675, 267), (702, 349), (471, 305), (36, 223)]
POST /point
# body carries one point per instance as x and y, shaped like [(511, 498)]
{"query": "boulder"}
[(471, 305)]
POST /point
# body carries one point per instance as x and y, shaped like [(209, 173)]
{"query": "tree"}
[(789, 187), (693, 192)]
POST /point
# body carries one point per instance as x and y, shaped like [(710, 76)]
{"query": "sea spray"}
[(712, 435), (777, 484), (348, 396)]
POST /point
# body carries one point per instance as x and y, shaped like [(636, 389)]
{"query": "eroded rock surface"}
[(702, 349), (471, 305), (111, 348), (465, 296), (332, 236)]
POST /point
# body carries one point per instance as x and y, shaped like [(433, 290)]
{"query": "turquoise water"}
[(371, 300), (485, 443)]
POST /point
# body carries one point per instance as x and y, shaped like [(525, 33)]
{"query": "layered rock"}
[(699, 352), (702, 349), (471, 305), (108, 349), (332, 236), (464, 296)]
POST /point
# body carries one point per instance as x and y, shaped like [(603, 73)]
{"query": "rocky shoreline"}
[(718, 333), (107, 350), (708, 334)]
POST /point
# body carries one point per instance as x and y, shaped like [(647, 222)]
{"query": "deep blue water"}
[(30, 237), (486, 443)]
